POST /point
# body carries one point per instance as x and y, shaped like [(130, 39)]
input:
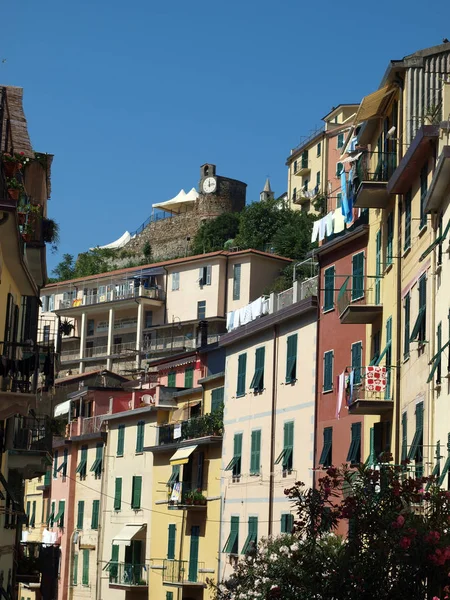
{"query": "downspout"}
[(102, 512), (431, 386), (180, 554), (70, 582), (165, 295), (272, 426), (316, 395)]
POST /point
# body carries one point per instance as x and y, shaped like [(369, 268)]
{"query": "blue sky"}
[(132, 97)]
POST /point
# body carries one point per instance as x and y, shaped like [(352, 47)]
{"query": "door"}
[(193, 554)]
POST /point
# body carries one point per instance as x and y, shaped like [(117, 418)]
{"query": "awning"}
[(181, 456), (62, 409), (372, 105), (179, 203), (125, 535)]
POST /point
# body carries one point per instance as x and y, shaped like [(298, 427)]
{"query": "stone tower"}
[(267, 193)]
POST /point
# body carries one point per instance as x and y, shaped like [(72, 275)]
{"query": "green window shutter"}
[(217, 399), (47, 478), (175, 475), (232, 543), (189, 377), (340, 140), (242, 372), (118, 494), (81, 468), (85, 577), (287, 523), (33, 514), (28, 510), (419, 329), (136, 492), (423, 194), (358, 276), (140, 436), (404, 436), (255, 453), (357, 362), (407, 317), (339, 200), (390, 239), (329, 288), (51, 517), (288, 445), (171, 542), (169, 595), (354, 453), (120, 440), (235, 462), (113, 566), (97, 464), (326, 455), (95, 513), (408, 198), (328, 371), (80, 518), (415, 450), (171, 379), (378, 268), (446, 465), (252, 537), (236, 282), (55, 464), (291, 360), (60, 516), (75, 569), (257, 383), (193, 553)]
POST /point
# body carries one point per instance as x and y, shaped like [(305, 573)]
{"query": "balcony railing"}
[(371, 390), (34, 559), (173, 343), (183, 572), (186, 495), (197, 427), (376, 166), (357, 304), (129, 574), (153, 293), (21, 366), (85, 425), (32, 434)]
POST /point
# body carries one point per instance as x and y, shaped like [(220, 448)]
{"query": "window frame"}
[(328, 383)]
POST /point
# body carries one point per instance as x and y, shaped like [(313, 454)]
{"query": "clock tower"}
[(219, 194)]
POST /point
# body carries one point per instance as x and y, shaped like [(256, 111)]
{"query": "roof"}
[(338, 108), (267, 187), (168, 263), (81, 376), (18, 130)]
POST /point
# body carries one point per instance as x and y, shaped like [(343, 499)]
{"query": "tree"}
[(397, 546), (259, 223), (293, 239), (214, 233), (65, 269), (94, 261)]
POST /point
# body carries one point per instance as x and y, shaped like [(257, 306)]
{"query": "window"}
[(416, 449), (47, 478), (339, 169), (75, 569), (286, 457), (305, 185), (175, 282), (390, 239), (232, 543), (436, 369), (169, 595), (85, 576), (81, 468), (295, 166), (114, 563), (354, 453), (51, 516), (255, 452), (328, 371), (408, 198), (95, 513), (378, 267), (90, 327), (257, 383), (46, 334), (235, 463), (136, 492), (404, 436), (319, 148), (205, 275), (148, 319), (59, 517), (171, 541), (242, 371), (294, 194), (236, 282), (140, 436), (171, 379), (423, 194), (51, 303), (318, 178), (287, 523), (217, 399), (358, 276), (189, 377), (327, 450), (407, 316), (419, 329), (252, 538), (446, 465), (98, 462), (340, 140), (80, 517), (305, 159), (175, 476), (329, 274), (356, 362), (120, 440), (55, 464), (118, 494), (291, 359), (201, 310), (339, 200)]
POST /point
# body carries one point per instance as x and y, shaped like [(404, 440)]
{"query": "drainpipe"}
[(272, 427), (70, 582), (102, 512), (433, 344), (180, 554), (165, 295)]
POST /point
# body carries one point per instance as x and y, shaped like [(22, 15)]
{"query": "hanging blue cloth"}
[(344, 199)]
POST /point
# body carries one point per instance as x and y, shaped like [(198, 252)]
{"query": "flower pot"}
[(10, 168), (22, 217), (26, 237), (203, 502), (188, 501), (197, 502), (14, 193)]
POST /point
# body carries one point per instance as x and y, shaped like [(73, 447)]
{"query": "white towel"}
[(256, 307), (236, 319), (341, 385), (247, 315), (230, 320), (322, 228), (339, 222), (265, 306), (329, 223), (242, 315), (315, 231)]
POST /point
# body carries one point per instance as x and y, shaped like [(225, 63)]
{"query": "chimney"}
[(202, 334)]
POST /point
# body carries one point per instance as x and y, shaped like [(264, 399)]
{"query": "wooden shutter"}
[(291, 359), (140, 436), (404, 436), (217, 399), (356, 362), (80, 514), (85, 578), (136, 492), (171, 542), (118, 494), (208, 274), (255, 453), (120, 440), (188, 377), (329, 288), (242, 369), (75, 569), (95, 514), (328, 371), (55, 464), (237, 454), (358, 276), (193, 553)]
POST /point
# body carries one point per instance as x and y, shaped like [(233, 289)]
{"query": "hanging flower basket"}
[(14, 193), (11, 168)]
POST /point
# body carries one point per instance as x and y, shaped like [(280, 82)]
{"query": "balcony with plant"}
[(207, 425)]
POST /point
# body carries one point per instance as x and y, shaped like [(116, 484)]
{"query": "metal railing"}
[(23, 366), (133, 575), (353, 292), (184, 572), (154, 293), (35, 558), (32, 434), (176, 342), (367, 387), (196, 427), (375, 166)]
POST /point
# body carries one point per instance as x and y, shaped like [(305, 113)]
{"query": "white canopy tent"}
[(181, 203)]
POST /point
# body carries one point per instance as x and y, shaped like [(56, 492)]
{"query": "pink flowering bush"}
[(397, 546)]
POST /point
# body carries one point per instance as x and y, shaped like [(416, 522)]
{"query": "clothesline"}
[(248, 313)]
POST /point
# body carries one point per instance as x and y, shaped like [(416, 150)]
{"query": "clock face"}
[(209, 185)]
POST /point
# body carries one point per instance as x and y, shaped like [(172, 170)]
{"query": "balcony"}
[(184, 573), (191, 429), (186, 496), (305, 195), (357, 305), (31, 450), (371, 395), (99, 351), (152, 296), (129, 575), (303, 167), (373, 171), (35, 559), (84, 426)]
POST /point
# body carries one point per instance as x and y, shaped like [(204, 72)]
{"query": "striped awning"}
[(181, 456)]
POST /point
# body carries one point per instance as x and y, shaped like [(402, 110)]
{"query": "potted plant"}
[(11, 164), (198, 497), (50, 233), (189, 498), (66, 327), (14, 188)]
